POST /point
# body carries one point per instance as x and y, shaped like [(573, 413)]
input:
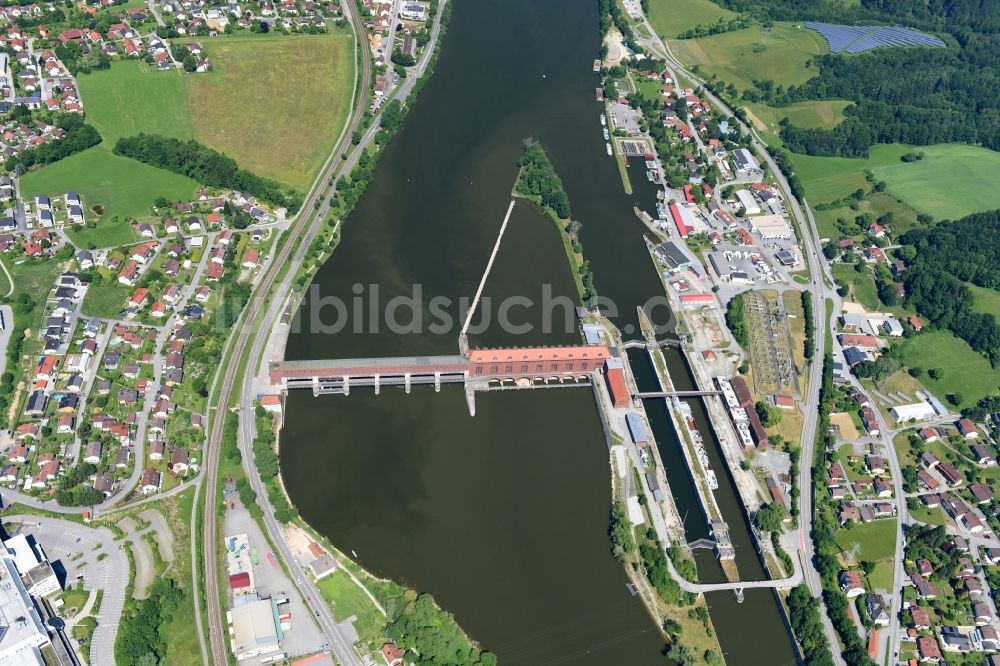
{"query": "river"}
[(503, 517)]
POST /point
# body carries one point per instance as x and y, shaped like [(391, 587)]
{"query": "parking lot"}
[(94, 554), (271, 581)]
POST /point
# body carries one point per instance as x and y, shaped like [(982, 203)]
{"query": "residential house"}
[(179, 460), (983, 455), (967, 429), (878, 609), (981, 492), (951, 475), (851, 583), (150, 482), (93, 452), (156, 449)]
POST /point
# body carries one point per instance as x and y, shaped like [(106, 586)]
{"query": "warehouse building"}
[(745, 161), (918, 411), (747, 202), (770, 227), (254, 629)]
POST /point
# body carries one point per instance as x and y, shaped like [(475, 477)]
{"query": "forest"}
[(907, 95), (207, 166), (945, 258)]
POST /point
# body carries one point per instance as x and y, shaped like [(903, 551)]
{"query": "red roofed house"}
[(392, 654), (271, 402), (928, 650), (139, 297), (250, 258), (968, 429), (851, 584)]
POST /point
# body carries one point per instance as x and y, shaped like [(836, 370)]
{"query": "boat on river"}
[(599, 93), (604, 121), (606, 135), (608, 146)]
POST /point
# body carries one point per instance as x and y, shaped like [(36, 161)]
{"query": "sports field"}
[(742, 56), (963, 370), (672, 17), (274, 104), (132, 97), (124, 187)]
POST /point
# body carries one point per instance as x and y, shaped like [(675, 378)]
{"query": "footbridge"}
[(736, 587), (674, 394), (643, 344)]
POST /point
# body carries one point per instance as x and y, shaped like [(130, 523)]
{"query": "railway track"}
[(216, 631)]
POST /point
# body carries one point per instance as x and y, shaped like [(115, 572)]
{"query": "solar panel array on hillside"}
[(860, 38)]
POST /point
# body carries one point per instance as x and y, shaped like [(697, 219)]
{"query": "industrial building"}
[(614, 376), (745, 161), (636, 429), (22, 634), (748, 202), (918, 411), (36, 573), (770, 227), (254, 629), (672, 256)]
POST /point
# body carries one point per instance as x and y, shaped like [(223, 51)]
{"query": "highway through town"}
[(821, 288), (305, 227)]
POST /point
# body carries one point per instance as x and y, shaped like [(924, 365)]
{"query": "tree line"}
[(207, 166), (139, 639), (736, 319)]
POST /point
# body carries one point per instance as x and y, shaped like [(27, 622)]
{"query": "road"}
[(821, 288), (151, 4)]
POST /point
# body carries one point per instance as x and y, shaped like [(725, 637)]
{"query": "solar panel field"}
[(860, 38)]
